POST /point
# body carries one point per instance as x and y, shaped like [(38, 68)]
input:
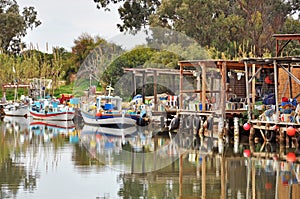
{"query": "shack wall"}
[(284, 87)]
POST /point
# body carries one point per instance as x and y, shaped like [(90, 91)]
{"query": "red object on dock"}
[(291, 131), (275, 127), (246, 126), (291, 157), (247, 153)]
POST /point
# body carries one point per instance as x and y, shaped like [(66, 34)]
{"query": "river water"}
[(46, 161)]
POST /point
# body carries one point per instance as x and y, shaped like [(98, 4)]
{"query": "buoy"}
[(247, 153), (98, 137), (268, 186), (98, 114), (246, 126), (291, 131), (275, 127), (275, 157), (291, 157)]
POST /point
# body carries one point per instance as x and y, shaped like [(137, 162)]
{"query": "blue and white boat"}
[(51, 110), (107, 111)]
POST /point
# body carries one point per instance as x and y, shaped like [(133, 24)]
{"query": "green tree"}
[(83, 46), (134, 13), (14, 25), (226, 26)]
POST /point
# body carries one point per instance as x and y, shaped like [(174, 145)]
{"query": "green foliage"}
[(14, 25), (226, 26), (134, 13)]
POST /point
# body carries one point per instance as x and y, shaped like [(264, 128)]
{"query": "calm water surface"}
[(44, 161)]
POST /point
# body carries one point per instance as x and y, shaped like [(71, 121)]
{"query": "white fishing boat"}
[(16, 109), (51, 110), (107, 111)]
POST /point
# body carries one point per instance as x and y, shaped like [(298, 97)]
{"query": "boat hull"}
[(16, 111), (109, 119), (53, 116)]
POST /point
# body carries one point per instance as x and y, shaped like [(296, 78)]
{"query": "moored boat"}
[(51, 110), (16, 109), (107, 111)]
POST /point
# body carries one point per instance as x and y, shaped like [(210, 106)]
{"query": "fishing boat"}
[(16, 109), (51, 110), (108, 111)]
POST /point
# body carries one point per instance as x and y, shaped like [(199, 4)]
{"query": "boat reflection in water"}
[(18, 124), (133, 149), (50, 129)]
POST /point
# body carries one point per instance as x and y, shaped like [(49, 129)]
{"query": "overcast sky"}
[(65, 20)]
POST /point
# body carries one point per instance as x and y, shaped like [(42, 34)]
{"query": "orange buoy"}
[(98, 136), (275, 127), (291, 157), (98, 114), (268, 186), (291, 131)]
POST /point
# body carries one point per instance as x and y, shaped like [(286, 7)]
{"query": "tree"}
[(134, 13), (223, 25), (14, 25), (83, 46)]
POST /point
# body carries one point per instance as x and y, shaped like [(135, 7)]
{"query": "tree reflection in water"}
[(150, 165)]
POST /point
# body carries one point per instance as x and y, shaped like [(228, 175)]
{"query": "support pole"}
[(181, 88), (133, 84), (253, 87), (155, 89), (276, 90), (203, 97), (144, 80), (247, 92)]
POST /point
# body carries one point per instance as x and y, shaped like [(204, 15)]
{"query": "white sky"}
[(65, 20)]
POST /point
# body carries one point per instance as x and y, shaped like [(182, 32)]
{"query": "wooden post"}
[(290, 82), (144, 80), (282, 141), (252, 134), (253, 88), (223, 90), (155, 89), (181, 88), (247, 92), (203, 96), (133, 84), (276, 90)]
